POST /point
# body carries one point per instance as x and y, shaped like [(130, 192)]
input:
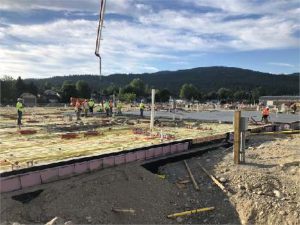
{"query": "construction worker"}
[(106, 108), (20, 110), (111, 107), (91, 105), (142, 107), (78, 109), (265, 115), (294, 108), (119, 108), (85, 107)]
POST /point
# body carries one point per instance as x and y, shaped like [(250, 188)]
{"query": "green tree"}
[(47, 86), (31, 88), (83, 89), (8, 89), (127, 97), (138, 87), (163, 95), (189, 91), (224, 94), (111, 89), (240, 95), (68, 90), (256, 93), (212, 95), (20, 87), (127, 89)]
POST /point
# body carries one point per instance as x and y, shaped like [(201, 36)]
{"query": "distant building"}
[(29, 99), (51, 96), (279, 100)]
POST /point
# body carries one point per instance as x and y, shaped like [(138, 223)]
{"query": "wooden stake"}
[(191, 176), (152, 109), (221, 186), (237, 137)]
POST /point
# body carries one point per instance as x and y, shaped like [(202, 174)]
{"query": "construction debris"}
[(190, 212), (118, 210)]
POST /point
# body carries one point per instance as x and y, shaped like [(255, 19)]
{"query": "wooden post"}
[(237, 137), (152, 109)]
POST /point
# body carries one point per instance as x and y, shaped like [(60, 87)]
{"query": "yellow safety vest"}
[(106, 105), (91, 103), (119, 106), (20, 106), (142, 106)]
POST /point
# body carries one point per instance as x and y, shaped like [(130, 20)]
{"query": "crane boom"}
[(99, 32)]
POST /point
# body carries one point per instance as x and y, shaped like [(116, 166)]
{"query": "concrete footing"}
[(37, 175)]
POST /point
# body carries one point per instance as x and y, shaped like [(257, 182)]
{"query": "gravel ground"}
[(265, 190)]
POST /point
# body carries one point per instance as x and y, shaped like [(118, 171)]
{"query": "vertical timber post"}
[(237, 137), (114, 105), (152, 109)]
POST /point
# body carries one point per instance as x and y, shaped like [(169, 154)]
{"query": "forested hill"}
[(204, 78)]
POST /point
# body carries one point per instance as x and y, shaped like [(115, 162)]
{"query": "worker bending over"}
[(78, 109), (20, 110), (85, 107), (142, 108), (265, 115), (91, 105)]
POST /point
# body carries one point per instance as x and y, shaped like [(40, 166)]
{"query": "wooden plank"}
[(191, 176), (237, 137), (221, 186)]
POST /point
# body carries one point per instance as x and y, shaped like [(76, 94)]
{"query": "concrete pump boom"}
[(100, 25)]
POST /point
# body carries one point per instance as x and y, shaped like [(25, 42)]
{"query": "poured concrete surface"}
[(224, 116)]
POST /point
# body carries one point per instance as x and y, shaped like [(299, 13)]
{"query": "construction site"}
[(122, 171), (111, 161)]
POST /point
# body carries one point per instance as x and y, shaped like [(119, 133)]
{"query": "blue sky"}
[(41, 38)]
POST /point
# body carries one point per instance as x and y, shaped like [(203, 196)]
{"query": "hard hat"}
[(267, 107), (19, 99)]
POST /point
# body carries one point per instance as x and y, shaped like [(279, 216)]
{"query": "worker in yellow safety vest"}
[(91, 105), (20, 110), (119, 108), (142, 107)]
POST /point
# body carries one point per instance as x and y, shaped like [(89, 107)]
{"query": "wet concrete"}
[(224, 116)]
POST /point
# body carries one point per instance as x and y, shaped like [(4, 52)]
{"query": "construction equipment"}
[(99, 32)]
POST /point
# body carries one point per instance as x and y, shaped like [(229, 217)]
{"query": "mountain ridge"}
[(204, 78)]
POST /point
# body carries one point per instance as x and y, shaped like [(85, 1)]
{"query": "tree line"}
[(136, 89)]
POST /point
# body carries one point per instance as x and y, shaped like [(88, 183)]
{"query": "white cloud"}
[(67, 46), (281, 64)]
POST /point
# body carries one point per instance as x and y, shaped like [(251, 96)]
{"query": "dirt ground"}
[(263, 191)]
